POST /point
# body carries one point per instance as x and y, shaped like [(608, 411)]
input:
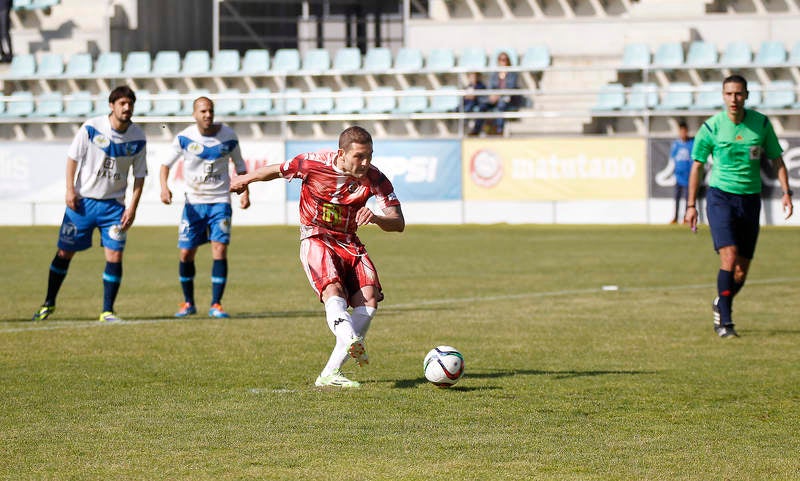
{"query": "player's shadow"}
[(559, 375)]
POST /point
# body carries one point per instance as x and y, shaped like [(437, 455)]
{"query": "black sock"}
[(112, 278), (58, 272), (186, 272)]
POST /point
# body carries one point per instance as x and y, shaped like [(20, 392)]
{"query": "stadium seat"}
[(167, 62), (49, 104), (22, 65), (79, 65), (42, 4), (286, 60), (347, 60), (292, 101), (20, 104), (196, 62), (228, 102), (22, 4), (642, 96), (779, 95), (472, 58), (737, 53), (80, 104), (445, 103), (316, 60), (351, 103), (383, 102), (109, 64), (226, 62), (187, 104), (701, 54), (166, 103), (318, 101), (378, 59), (708, 97), (794, 55), (50, 65), (137, 64), (441, 60), (668, 55), (408, 59), (754, 94), (257, 102), (771, 53), (415, 101), (512, 56), (678, 96), (611, 97), (255, 62), (536, 58), (635, 56), (144, 103)]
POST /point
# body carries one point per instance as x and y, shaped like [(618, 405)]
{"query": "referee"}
[(737, 139)]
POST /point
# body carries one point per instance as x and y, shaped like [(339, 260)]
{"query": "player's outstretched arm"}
[(268, 172)]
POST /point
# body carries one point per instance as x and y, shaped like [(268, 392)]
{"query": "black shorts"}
[(734, 220)]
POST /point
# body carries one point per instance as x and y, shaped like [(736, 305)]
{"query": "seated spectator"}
[(474, 103), (502, 80)]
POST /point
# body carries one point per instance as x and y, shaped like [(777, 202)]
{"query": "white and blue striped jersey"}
[(205, 163), (105, 157)]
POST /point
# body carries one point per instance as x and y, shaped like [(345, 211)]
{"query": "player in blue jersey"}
[(99, 159), (206, 148), (680, 154)]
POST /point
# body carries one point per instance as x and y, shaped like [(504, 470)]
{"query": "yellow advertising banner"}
[(554, 169)]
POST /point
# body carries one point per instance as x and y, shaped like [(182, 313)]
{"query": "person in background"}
[(474, 102), (680, 155), (6, 53), (502, 80)]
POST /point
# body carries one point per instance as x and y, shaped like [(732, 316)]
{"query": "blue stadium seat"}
[(352, 103), (472, 58), (754, 94), (228, 102), (737, 53), (708, 97), (255, 62), (408, 59), (678, 96), (779, 95), (316, 60), (794, 56), (378, 59), (668, 55), (286, 60), (80, 104), (144, 103), (318, 101), (187, 104), (196, 62), (701, 54), (167, 62), (347, 60), (226, 62), (445, 103), (414, 101), (50, 65), (257, 102), (536, 57), (441, 60), (166, 103), (383, 102), (137, 64), (771, 53), (101, 104), (49, 104), (42, 4), (22, 65), (292, 101), (109, 64), (635, 56), (642, 96), (22, 4), (79, 65), (611, 97), (20, 104), (512, 56)]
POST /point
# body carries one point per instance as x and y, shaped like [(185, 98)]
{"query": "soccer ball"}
[(443, 366)]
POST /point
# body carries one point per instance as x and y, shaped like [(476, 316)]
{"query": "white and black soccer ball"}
[(444, 366)]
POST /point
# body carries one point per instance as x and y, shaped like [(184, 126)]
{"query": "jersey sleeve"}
[(80, 144), (293, 168), (772, 148), (703, 143), (175, 152), (383, 190), (140, 163)]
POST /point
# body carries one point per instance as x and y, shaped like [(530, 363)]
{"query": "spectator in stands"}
[(473, 102), (103, 152), (502, 80), (207, 150), (5, 31), (739, 139), (680, 156)]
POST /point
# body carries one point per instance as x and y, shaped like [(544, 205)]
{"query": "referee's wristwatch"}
[(789, 192)]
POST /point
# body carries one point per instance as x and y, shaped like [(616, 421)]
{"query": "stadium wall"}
[(548, 180)]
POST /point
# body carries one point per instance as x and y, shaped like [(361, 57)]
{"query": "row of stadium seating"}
[(22, 5), (700, 54), (198, 63)]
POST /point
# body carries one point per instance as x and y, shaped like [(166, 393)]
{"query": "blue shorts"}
[(203, 222), (734, 220), (78, 225)]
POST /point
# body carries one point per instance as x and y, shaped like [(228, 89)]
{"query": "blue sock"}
[(725, 286), (219, 276), (186, 272), (58, 271), (112, 277)]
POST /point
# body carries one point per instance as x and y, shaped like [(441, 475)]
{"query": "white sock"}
[(362, 317), (341, 324)]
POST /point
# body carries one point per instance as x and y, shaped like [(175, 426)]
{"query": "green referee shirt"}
[(737, 150)]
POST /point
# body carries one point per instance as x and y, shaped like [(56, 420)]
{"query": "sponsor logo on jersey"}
[(101, 141), (194, 148)]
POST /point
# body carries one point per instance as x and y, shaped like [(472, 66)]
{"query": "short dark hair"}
[(120, 92), (354, 135), (683, 125), (735, 78)]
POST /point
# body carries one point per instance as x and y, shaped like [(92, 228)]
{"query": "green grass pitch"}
[(564, 380)]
